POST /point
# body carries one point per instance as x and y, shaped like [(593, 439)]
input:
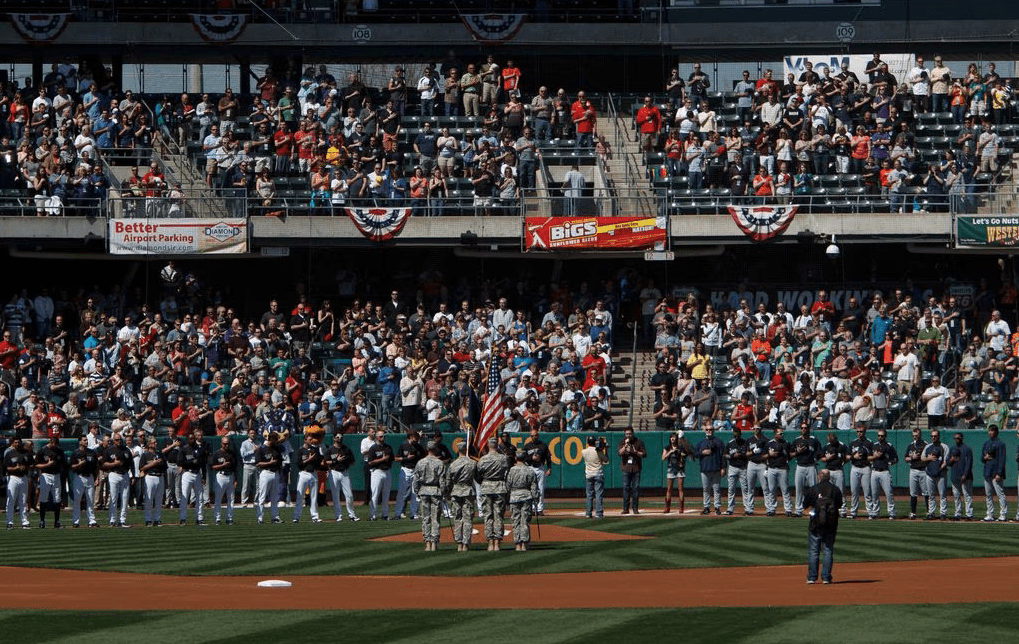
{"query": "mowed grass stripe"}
[(871, 624), (331, 548)]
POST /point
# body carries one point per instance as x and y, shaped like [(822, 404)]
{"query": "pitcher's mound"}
[(549, 533)]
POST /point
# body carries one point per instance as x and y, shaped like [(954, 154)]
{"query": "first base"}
[(274, 583)]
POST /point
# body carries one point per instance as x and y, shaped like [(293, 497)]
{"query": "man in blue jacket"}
[(993, 456), (709, 451), (960, 460)]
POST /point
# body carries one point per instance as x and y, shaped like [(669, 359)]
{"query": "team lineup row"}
[(750, 464)]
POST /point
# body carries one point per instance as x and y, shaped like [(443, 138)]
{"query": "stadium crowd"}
[(833, 369), (780, 137), (190, 366), (412, 140), (349, 141), (192, 360)]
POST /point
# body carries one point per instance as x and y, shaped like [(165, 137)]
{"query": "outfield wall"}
[(568, 468)]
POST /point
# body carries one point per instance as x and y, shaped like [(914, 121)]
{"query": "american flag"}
[(491, 412)]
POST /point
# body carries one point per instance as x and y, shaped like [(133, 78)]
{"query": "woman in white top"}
[(783, 183), (863, 410), (711, 335), (783, 146), (843, 411), (448, 146)]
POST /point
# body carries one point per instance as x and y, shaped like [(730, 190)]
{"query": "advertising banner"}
[(979, 231), (178, 236), (898, 64), (571, 233)]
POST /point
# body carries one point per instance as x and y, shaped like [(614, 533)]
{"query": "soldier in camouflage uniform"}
[(523, 495), (492, 469), (463, 474), (431, 479)]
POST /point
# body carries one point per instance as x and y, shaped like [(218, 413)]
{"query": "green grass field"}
[(345, 548), (961, 623)]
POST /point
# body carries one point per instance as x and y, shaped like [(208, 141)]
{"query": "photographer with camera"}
[(595, 456), (632, 452)]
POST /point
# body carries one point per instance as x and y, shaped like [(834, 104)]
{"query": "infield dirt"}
[(972, 580)]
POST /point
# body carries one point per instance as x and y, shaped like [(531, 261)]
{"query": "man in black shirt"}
[(338, 459), (631, 457), (792, 117), (224, 468), (192, 462), (84, 465), (380, 459), (538, 460), (152, 467), (826, 501), (50, 462), (268, 461), (308, 459), (662, 383), (411, 451)]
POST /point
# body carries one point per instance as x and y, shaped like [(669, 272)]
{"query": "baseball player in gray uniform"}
[(882, 459), (308, 459), (118, 461), (757, 466), (778, 475), (859, 474), (17, 463), (960, 463), (84, 465), (249, 475), (431, 481), (834, 456), (736, 473), (935, 455), (49, 461), (152, 466), (268, 461), (224, 468), (917, 476), (523, 498), (338, 459), (993, 456), (463, 474), (492, 470), (806, 450)]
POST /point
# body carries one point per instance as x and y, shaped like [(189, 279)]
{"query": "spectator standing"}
[(631, 453), (595, 457)]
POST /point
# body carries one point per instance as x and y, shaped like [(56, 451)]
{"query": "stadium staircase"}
[(625, 174)]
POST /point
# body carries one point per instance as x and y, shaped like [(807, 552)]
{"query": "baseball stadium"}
[(556, 320)]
